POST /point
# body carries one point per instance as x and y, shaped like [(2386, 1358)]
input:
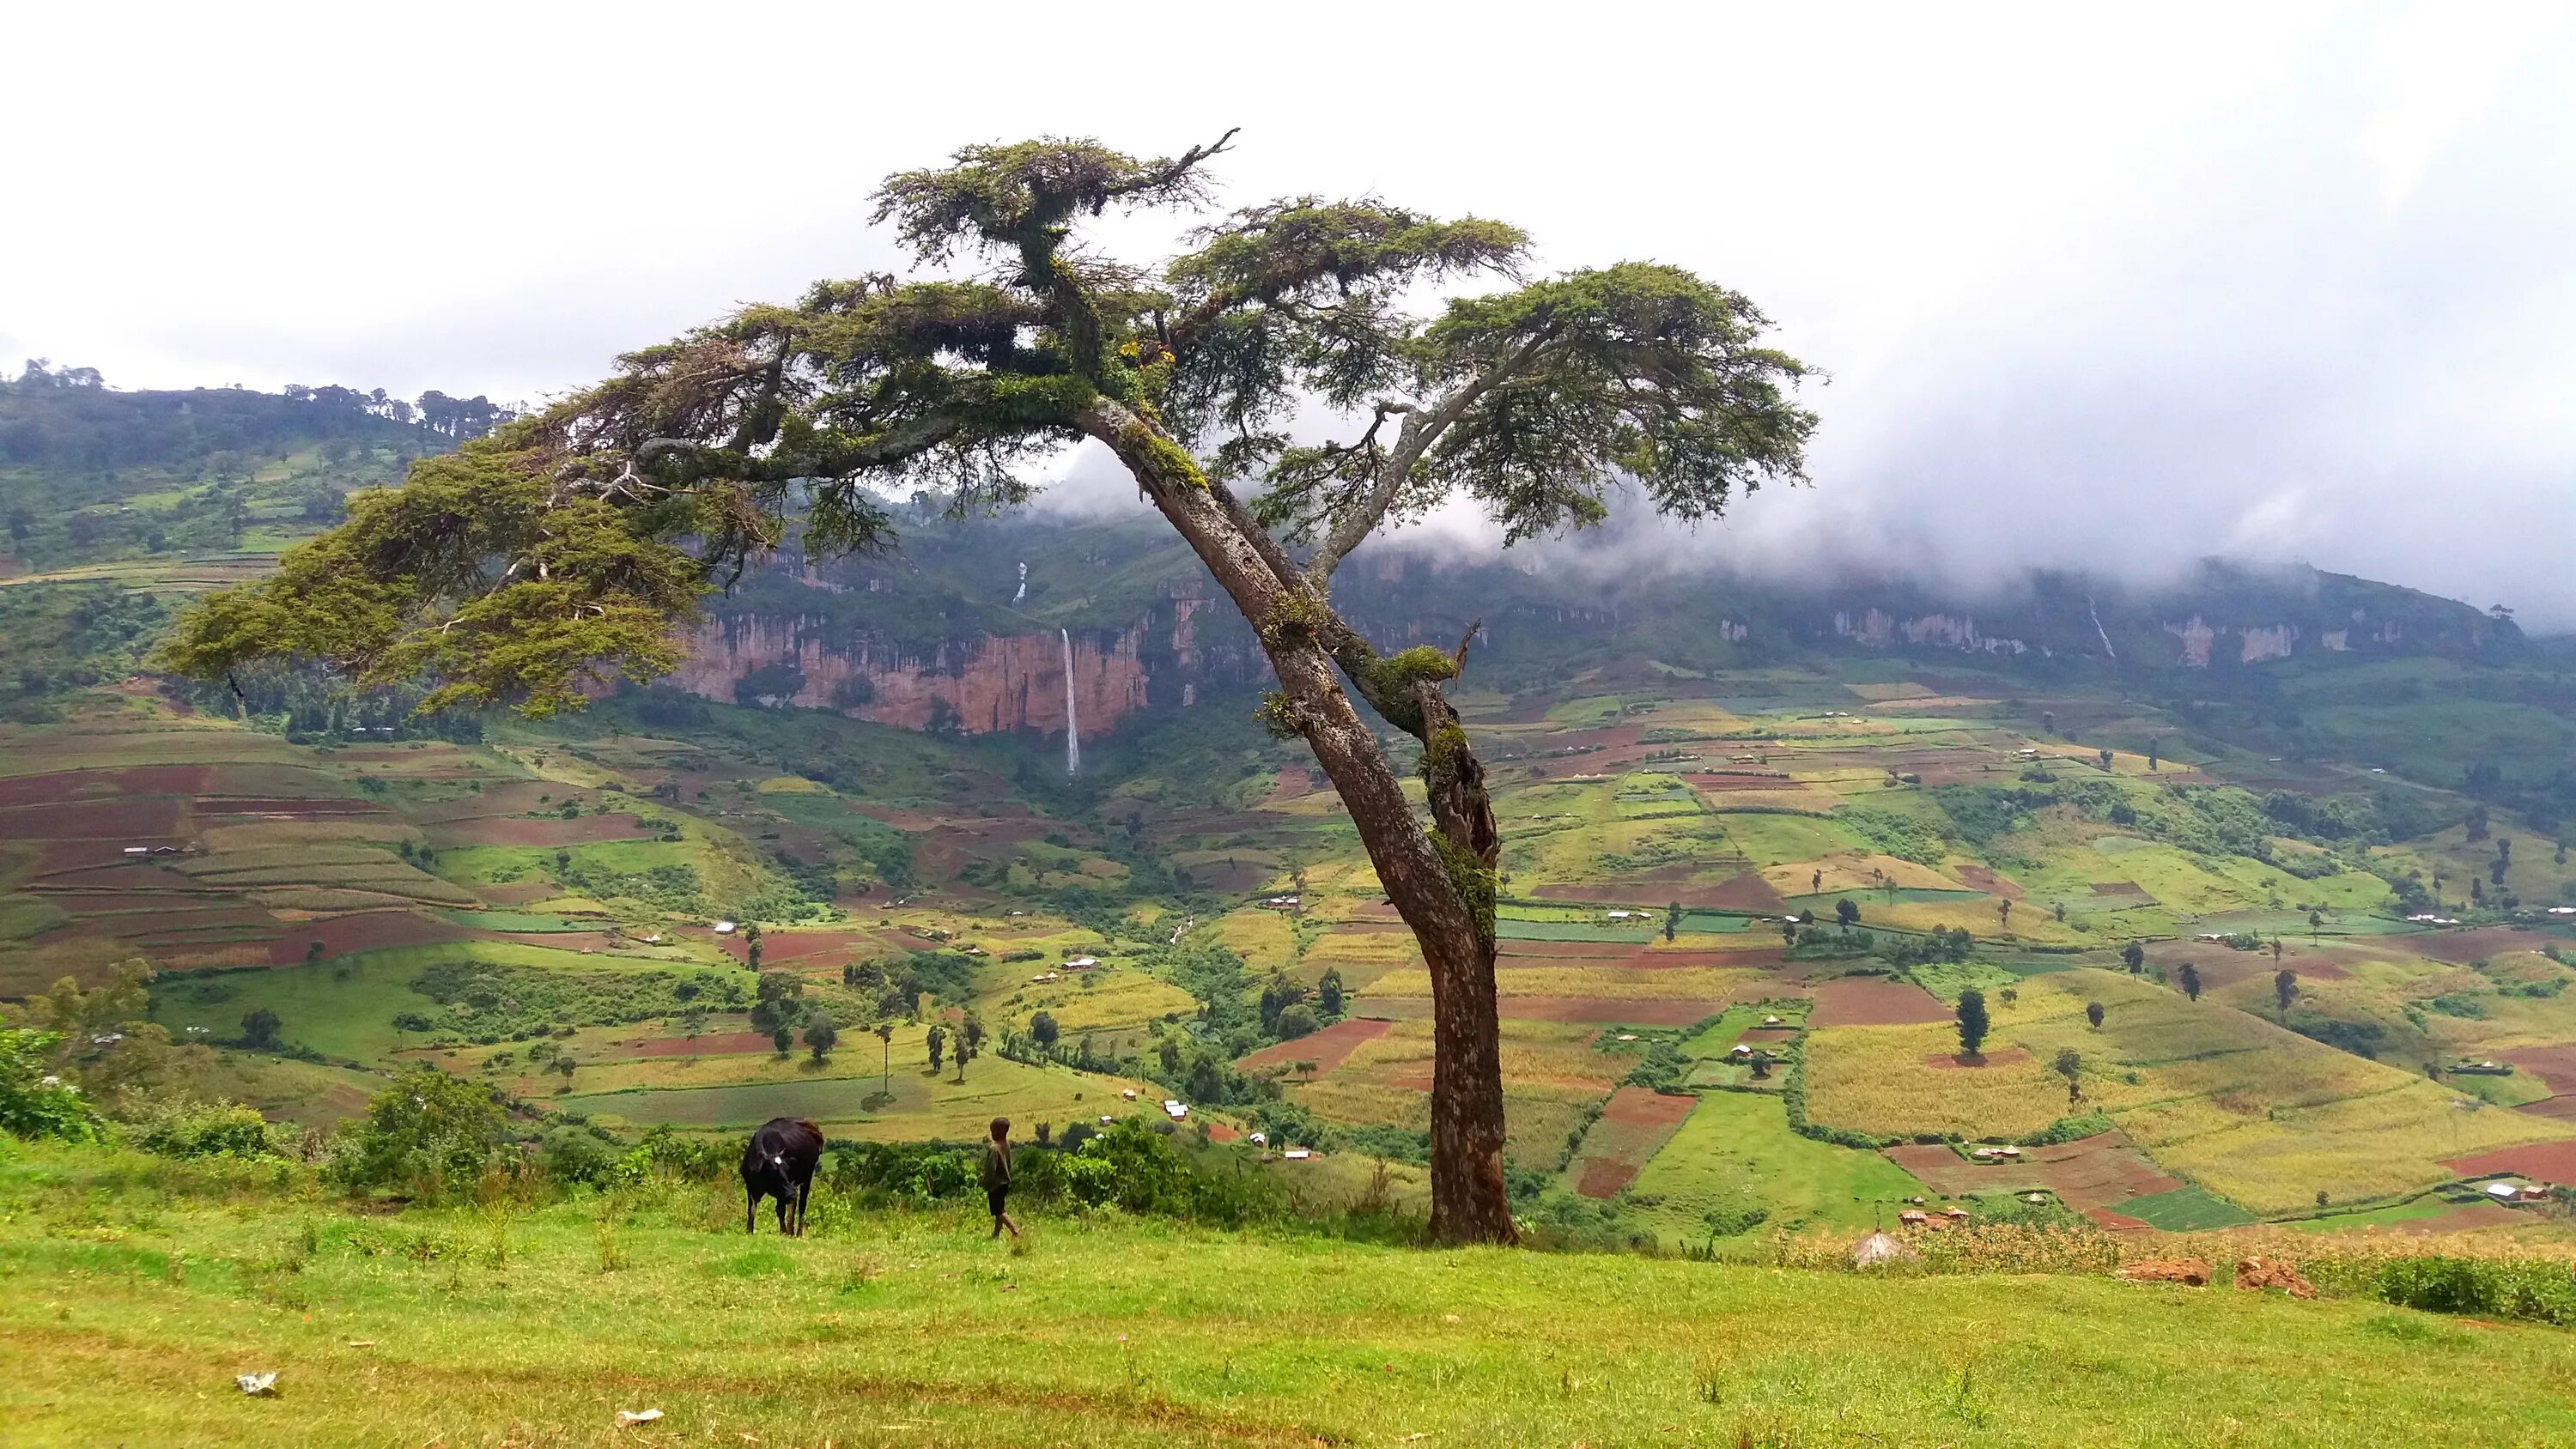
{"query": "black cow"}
[(780, 1163)]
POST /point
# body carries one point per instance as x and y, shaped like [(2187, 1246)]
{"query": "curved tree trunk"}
[(1442, 886)]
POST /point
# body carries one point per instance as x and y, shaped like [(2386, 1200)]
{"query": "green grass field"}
[(127, 1317), (1736, 1149)]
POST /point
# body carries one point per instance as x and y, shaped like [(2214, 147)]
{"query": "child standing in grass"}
[(997, 1176)]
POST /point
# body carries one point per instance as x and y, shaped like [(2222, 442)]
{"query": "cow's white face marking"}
[(775, 1161)]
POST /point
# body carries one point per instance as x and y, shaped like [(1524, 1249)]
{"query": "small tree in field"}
[(2191, 981), (259, 1028), (1044, 1031), (2070, 1065), (969, 1044), (2106, 759), (1672, 920), (821, 1036), (559, 553), (1973, 1024), (1847, 913), (2093, 1014), (2134, 956), (2003, 913), (885, 1056), (938, 1044), (2285, 989)]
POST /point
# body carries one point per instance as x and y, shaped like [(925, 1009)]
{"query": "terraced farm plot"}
[(1736, 1149), (1595, 983), (1634, 1124), (2259, 1115)]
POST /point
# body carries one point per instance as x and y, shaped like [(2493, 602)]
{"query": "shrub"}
[(33, 1103), (196, 1129), (427, 1134)]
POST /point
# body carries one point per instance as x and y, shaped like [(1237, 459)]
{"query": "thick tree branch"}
[(1421, 428)]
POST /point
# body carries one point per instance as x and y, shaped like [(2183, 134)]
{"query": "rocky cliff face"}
[(977, 683), (951, 636)]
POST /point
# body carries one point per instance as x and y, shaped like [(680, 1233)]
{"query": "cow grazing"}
[(779, 1164)]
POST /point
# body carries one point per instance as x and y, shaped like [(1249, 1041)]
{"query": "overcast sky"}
[(2094, 288)]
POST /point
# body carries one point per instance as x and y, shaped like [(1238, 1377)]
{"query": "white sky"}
[(2095, 288)]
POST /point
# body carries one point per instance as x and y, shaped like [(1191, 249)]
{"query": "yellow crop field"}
[(1881, 1079), (1107, 997), (1535, 1054), (2237, 1104), (1262, 937), (1602, 983), (1855, 872)]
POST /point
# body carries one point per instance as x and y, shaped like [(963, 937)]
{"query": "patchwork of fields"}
[(1733, 936)]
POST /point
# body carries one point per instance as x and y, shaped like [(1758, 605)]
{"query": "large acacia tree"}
[(560, 554)]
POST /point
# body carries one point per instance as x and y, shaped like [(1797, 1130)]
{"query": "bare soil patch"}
[(1978, 877), (1644, 1106), (1874, 1001), (2121, 888), (145, 820), (2089, 1174), (365, 931), (1603, 1177), (1327, 1049), (2461, 947), (2544, 1161), (2554, 1065)]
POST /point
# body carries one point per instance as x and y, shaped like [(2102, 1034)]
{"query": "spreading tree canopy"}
[(558, 555)]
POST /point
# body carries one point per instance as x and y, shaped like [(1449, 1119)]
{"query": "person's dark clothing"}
[(996, 1175)]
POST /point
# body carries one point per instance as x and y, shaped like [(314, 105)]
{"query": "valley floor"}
[(123, 1321)]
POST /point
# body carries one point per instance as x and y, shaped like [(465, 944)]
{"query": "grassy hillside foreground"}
[(125, 1312)]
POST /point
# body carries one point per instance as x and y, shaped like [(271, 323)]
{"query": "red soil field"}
[(366, 931), (2554, 1065), (2561, 1109), (1741, 892), (1635, 1124), (2461, 947), (1327, 1049), (2543, 1161), (1644, 1106), (1978, 877), (781, 946), (1874, 1001), (70, 855), (2088, 1174), (80, 784), (144, 820), (1603, 1177)]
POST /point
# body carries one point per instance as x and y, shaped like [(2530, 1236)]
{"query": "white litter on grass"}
[(629, 1418), (257, 1385)]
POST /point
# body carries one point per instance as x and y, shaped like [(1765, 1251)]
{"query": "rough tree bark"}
[(1442, 886)]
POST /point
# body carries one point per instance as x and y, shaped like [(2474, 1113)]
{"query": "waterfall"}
[(1072, 726), (1024, 585)]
